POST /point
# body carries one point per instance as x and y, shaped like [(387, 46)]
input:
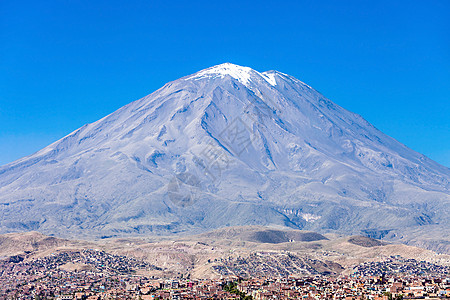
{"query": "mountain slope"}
[(227, 146)]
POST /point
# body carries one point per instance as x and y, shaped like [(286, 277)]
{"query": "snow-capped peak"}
[(240, 73)]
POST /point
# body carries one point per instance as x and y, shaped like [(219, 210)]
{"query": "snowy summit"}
[(243, 74)]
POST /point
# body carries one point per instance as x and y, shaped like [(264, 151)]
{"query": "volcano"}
[(228, 146)]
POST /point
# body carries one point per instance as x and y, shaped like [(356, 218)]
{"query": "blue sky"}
[(67, 63)]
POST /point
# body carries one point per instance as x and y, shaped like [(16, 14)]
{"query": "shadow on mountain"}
[(278, 236), (364, 241)]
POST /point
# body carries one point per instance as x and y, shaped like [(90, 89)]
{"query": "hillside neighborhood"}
[(93, 274)]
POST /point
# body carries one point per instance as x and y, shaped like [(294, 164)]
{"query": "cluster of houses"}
[(399, 265), (66, 272), (347, 287)]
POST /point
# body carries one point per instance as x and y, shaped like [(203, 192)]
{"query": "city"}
[(105, 276)]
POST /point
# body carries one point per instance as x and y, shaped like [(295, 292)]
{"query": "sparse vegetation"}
[(232, 288)]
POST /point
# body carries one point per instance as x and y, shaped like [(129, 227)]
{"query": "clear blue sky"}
[(66, 63)]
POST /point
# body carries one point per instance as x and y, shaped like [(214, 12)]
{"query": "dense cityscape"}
[(94, 274)]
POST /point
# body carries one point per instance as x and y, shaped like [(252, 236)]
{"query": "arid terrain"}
[(247, 251)]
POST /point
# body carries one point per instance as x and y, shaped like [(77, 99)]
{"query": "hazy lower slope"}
[(227, 146)]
